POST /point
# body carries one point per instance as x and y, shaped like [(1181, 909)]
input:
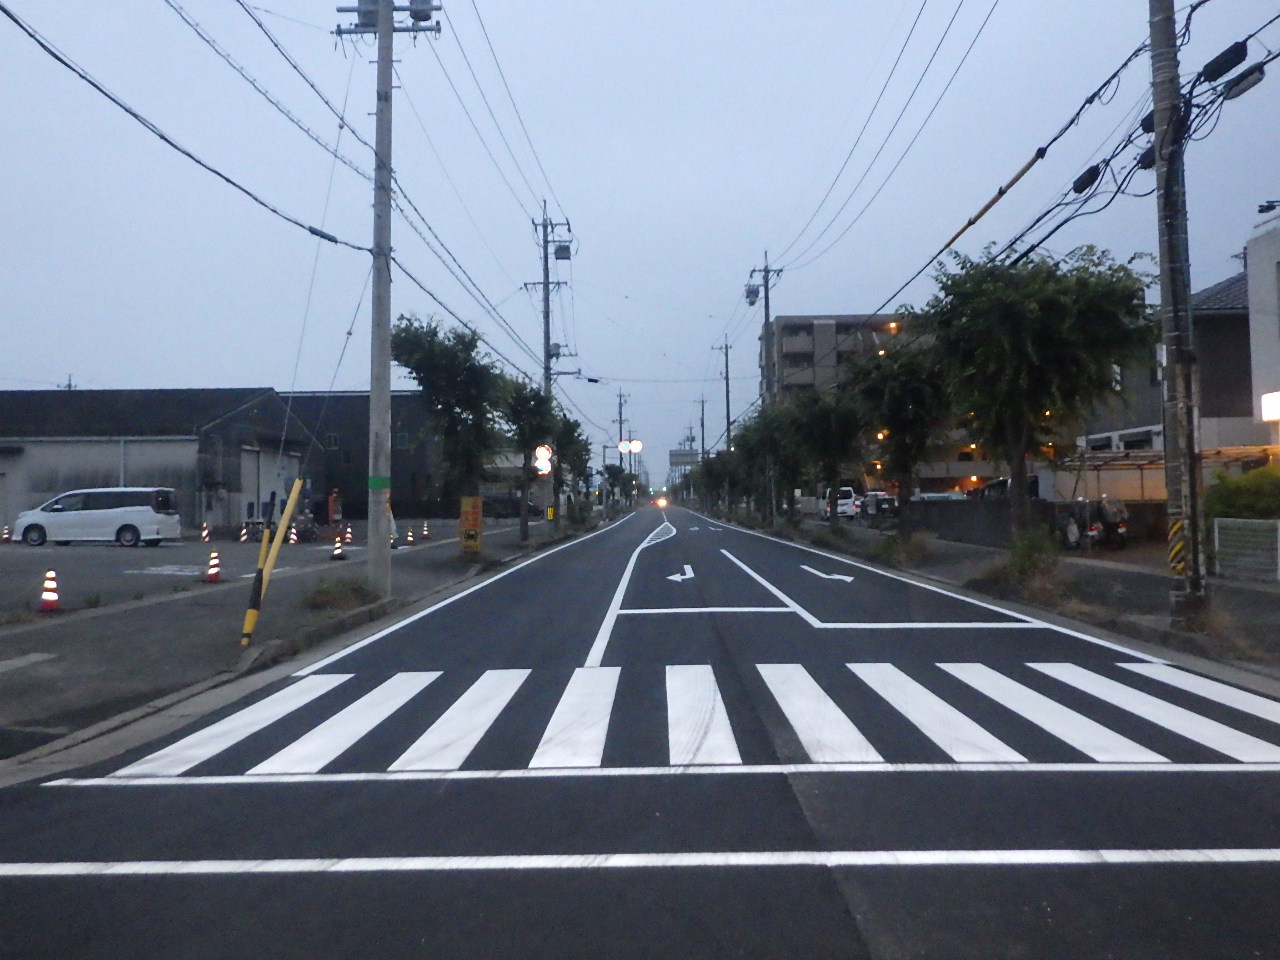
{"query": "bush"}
[(1253, 496), (1031, 570), (340, 595)]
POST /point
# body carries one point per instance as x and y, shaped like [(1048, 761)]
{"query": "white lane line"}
[(962, 739), (576, 734), (203, 744), (827, 576), (450, 740), (321, 664), (596, 655), (26, 660), (755, 770), (791, 604), (825, 732), (698, 730), (955, 596), (639, 611), (732, 859), (1222, 693), (1088, 736), (323, 744), (1191, 725)]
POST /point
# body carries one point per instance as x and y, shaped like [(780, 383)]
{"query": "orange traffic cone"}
[(293, 533), (49, 598), (408, 537), (426, 534), (244, 533), (337, 550), (204, 533), (215, 569), (349, 538), (5, 536)]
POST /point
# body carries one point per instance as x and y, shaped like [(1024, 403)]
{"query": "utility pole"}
[(727, 421), (620, 421), (753, 294), (702, 423), (1189, 598), (548, 227), (378, 17)]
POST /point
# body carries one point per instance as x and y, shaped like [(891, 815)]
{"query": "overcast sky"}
[(681, 140)]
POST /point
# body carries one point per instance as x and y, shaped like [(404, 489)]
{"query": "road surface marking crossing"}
[(203, 744), (26, 660), (1211, 689), (827, 735), (596, 655), (1088, 736), (700, 736), (698, 727), (942, 723), (1210, 733), (324, 743), (576, 734), (449, 741)]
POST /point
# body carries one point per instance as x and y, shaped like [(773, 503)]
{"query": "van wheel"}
[(128, 536), (34, 535)]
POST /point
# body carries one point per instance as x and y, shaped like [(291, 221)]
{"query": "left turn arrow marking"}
[(687, 575)]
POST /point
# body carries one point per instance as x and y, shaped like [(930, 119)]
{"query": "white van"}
[(127, 515), (846, 503)]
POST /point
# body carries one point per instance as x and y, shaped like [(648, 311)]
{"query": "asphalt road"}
[(678, 739)]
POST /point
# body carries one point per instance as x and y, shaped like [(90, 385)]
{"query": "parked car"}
[(127, 515), (846, 503), (877, 503)]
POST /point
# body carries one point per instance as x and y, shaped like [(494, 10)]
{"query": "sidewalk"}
[(70, 672)]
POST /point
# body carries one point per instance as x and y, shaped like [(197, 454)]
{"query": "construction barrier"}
[(214, 575), (49, 597), (337, 550)]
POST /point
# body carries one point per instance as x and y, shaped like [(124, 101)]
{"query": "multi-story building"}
[(1263, 260), (806, 352)]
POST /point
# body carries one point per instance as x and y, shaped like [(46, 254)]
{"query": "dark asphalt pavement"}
[(677, 738)]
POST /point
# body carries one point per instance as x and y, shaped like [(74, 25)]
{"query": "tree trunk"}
[(1020, 503), (524, 497)]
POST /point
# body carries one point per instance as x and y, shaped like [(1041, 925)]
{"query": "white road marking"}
[(1210, 733), (638, 610), (26, 660), (576, 734), (203, 744), (698, 730), (1033, 621), (791, 604), (686, 575), (1087, 736), (596, 655), (755, 770), (170, 570), (942, 723), (323, 744), (450, 740), (827, 576), (827, 735), (1222, 693), (730, 859), (321, 664)]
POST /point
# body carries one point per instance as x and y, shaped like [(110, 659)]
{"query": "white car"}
[(126, 515), (846, 503)]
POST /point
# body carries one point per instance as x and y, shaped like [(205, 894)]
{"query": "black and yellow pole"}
[(267, 554)]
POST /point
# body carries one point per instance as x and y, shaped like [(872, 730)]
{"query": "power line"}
[(84, 75)]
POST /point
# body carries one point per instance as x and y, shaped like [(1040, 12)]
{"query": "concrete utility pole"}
[(702, 423), (620, 422), (727, 421), (1189, 598), (753, 294), (378, 17), (548, 228)]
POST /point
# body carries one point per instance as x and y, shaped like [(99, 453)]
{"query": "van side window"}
[(99, 500), (162, 501), (72, 501), (135, 498)]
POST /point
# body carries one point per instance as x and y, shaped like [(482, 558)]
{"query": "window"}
[(331, 441)]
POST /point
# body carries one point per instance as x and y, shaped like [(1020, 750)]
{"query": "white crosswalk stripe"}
[(896, 702)]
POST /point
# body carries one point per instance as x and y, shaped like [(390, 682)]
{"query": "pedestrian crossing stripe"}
[(701, 735)]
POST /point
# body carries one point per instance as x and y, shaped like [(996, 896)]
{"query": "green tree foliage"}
[(906, 403), (828, 430), (461, 389), (1252, 496), (1031, 347)]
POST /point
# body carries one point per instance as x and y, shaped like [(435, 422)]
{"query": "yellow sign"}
[(470, 524)]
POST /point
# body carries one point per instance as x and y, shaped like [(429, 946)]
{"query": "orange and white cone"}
[(348, 537), (337, 550), (244, 533), (408, 537), (426, 534), (204, 533), (215, 569), (293, 533), (49, 598), (5, 536)]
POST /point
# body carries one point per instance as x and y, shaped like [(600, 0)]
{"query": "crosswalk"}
[(838, 714)]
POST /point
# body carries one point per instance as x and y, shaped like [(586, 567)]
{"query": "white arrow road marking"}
[(828, 576), (687, 575), (596, 654)]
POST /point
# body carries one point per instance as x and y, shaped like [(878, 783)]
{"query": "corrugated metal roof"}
[(119, 413)]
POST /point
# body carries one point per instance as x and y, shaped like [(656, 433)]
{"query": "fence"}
[(1247, 549)]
